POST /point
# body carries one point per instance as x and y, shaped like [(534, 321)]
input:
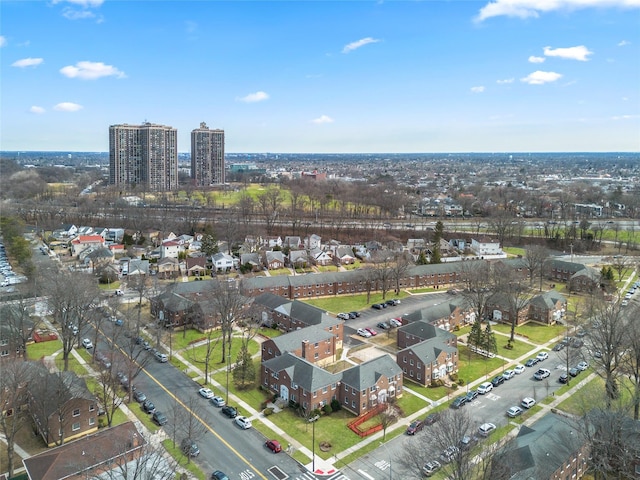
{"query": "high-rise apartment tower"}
[(144, 155), (207, 156)]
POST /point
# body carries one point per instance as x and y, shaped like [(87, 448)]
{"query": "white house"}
[(485, 246), (222, 262), (313, 241), (170, 248)]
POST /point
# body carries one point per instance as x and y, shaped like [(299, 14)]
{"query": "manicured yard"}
[(196, 355), (183, 460), (515, 251), (182, 340), (253, 396), (410, 404), (533, 332), (36, 351), (280, 271), (473, 366), (592, 395), (269, 332), (519, 347), (348, 303), (435, 393), (369, 447), (74, 365), (268, 434)]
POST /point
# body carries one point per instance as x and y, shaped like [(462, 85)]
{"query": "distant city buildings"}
[(207, 156), (145, 155)]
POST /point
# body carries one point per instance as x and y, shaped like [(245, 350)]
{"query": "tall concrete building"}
[(207, 156), (144, 155)]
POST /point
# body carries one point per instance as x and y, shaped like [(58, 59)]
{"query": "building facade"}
[(145, 155), (207, 156)]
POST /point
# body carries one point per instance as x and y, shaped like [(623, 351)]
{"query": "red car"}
[(273, 445), (371, 331)]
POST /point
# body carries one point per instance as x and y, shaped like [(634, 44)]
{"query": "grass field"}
[(519, 348), (473, 366), (197, 354), (349, 303), (36, 351), (253, 396), (534, 332)]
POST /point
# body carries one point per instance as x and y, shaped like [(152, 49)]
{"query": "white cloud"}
[(68, 107), (254, 97), (533, 8), (350, 47), (27, 62), (73, 14), (625, 117), (91, 71), (478, 89), (534, 59), (3, 41), (538, 77), (579, 53), (37, 109), (322, 119), (82, 3), (506, 80), (624, 43)]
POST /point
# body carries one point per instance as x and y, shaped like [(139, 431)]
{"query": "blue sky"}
[(327, 76)]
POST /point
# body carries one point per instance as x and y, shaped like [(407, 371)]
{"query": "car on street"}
[(558, 347), (542, 356), (273, 445), (414, 427), (564, 378), (468, 441), (218, 475), (449, 453), (162, 357), (87, 343), (431, 418), (577, 343), (344, 316), (531, 362), (393, 302), (383, 326), (139, 396), (582, 366), (459, 402), (148, 406), (514, 412), (497, 381), (371, 331), (527, 402), (541, 374), (206, 392), (574, 372), (243, 422), (485, 387), (377, 306), (431, 467), (471, 395), (189, 447), (354, 314), (159, 418), (508, 374), (518, 369), (119, 322), (485, 429), (363, 333), (229, 411), (395, 322), (218, 401)]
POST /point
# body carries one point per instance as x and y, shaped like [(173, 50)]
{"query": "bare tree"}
[(107, 390), (535, 260), (134, 358), (476, 276), (399, 269), (622, 265), (188, 425), (387, 417), (631, 358), (512, 289), (383, 266), (227, 303), (13, 399), (18, 324), (269, 202)]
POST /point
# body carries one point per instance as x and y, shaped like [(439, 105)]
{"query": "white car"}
[(395, 322), (87, 343), (363, 333), (518, 369), (206, 392), (514, 412), (218, 401), (582, 366), (343, 316), (486, 428), (541, 374), (542, 356), (485, 387), (509, 374), (528, 402), (243, 422)]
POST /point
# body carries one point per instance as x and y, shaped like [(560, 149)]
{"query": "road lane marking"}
[(365, 474)]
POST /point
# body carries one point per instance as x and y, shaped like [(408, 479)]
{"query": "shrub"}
[(335, 405), (437, 383), (454, 386), (327, 409), (456, 328), (454, 377), (267, 411), (461, 382)]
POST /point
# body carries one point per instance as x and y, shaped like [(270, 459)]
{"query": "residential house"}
[(485, 246), (168, 267), (251, 259), (431, 353), (548, 308), (170, 248), (293, 242), (111, 235), (85, 230), (343, 255), (320, 257), (138, 267), (222, 262), (61, 405), (298, 259), (82, 242), (196, 266), (586, 280), (499, 307), (459, 244), (14, 328), (274, 260), (562, 271), (99, 258), (104, 454), (272, 242), (317, 344), (365, 386), (313, 241), (117, 249), (68, 230), (421, 330), (446, 315)]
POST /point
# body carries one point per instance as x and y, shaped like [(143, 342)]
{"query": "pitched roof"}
[(547, 300), (368, 373), (428, 350), (305, 374), (293, 340), (436, 312)]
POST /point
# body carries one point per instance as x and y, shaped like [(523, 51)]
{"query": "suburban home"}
[(320, 257), (485, 246), (271, 242), (548, 308), (186, 303), (68, 230), (446, 315), (110, 235), (298, 258), (344, 255), (498, 308), (293, 242), (458, 243), (317, 344), (168, 267), (252, 259), (430, 359), (117, 249), (222, 262), (82, 242), (274, 260), (196, 266), (98, 259), (550, 449), (170, 248), (313, 241), (93, 456), (289, 315), (586, 280), (138, 267), (365, 386), (61, 405)]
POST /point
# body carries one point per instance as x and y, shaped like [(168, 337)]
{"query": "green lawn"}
[(535, 333), (369, 447), (253, 396), (472, 366), (514, 251), (74, 365), (462, 331), (519, 348), (183, 460), (410, 404), (182, 340), (197, 354), (349, 303), (36, 351), (269, 332), (526, 414), (435, 393), (279, 271), (592, 395)]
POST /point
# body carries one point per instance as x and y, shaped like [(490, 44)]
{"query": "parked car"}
[(395, 322), (363, 333), (582, 366), (431, 467), (371, 331), (229, 411), (377, 306), (514, 412), (148, 406), (485, 387), (542, 356), (273, 445), (161, 357), (218, 401), (574, 372), (87, 343), (449, 453), (119, 322), (383, 326), (558, 347), (190, 448), (414, 427), (527, 402), (577, 343), (564, 378), (518, 369), (206, 392), (508, 374), (344, 316), (459, 402), (354, 314), (497, 381), (471, 395), (531, 362), (432, 418), (393, 302), (139, 396), (468, 441), (541, 374), (159, 418), (486, 428), (243, 422), (218, 475)]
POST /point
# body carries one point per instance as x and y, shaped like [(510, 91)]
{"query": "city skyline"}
[(325, 77)]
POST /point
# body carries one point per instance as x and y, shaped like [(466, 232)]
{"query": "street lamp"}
[(228, 368), (388, 453)]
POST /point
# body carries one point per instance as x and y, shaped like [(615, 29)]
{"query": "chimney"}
[(305, 345)]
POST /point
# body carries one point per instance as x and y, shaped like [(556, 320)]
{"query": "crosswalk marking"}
[(382, 464)]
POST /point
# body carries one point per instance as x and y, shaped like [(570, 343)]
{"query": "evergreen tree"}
[(435, 255), (489, 342), (422, 259), (475, 337), (208, 245), (244, 372)]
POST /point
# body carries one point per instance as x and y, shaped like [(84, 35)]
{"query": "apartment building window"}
[(316, 345), (316, 355), (76, 412), (92, 421), (315, 394), (4, 353), (411, 362), (75, 427), (353, 404), (92, 407), (4, 342), (346, 388), (324, 389), (404, 359), (333, 386)]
